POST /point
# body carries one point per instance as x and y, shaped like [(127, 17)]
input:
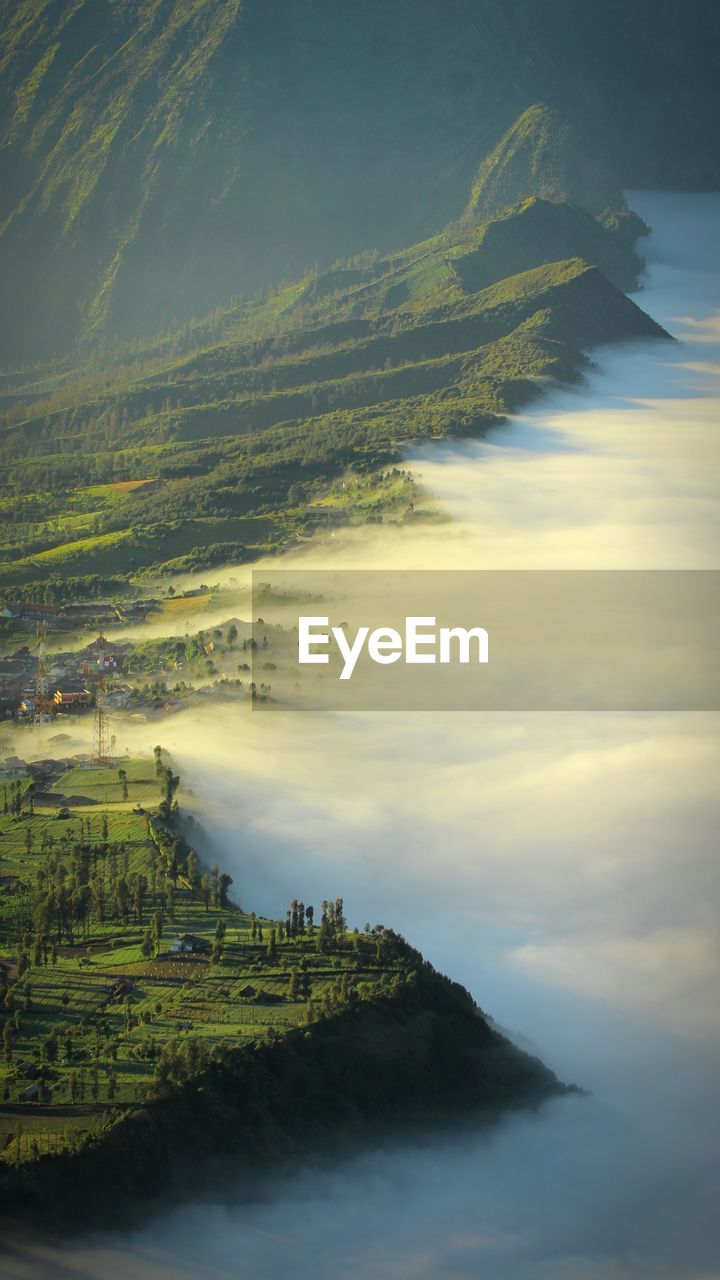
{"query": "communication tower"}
[(101, 727), (41, 710)]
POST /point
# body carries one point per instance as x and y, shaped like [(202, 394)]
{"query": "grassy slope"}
[(188, 989), (277, 398), (191, 1067)]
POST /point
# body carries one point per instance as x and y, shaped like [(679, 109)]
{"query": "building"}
[(59, 671), (64, 698), (83, 612), (119, 990), (137, 610), (119, 696), (190, 942), (32, 612), (13, 767), (14, 668)]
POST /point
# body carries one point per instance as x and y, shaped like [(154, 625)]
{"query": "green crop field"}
[(94, 896)]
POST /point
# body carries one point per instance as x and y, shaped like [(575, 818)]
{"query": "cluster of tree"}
[(82, 1083), (299, 986), (58, 590), (336, 998), (331, 932), (90, 882), (180, 1061), (299, 919), (152, 935), (13, 798)]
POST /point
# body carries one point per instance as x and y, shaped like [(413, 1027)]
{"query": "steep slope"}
[(541, 230), (421, 1055), (542, 154), (329, 374), (173, 1027), (159, 156)]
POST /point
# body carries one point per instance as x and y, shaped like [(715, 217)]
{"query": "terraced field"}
[(99, 1013)]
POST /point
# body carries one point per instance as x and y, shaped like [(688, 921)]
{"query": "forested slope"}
[(159, 156)]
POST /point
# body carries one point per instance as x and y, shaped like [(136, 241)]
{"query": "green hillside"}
[(542, 154), (215, 443), (158, 157), (147, 1019)]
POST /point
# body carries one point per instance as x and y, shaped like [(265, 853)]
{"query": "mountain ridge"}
[(159, 156)]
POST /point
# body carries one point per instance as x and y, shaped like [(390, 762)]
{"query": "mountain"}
[(542, 154), (158, 157), (223, 439), (180, 1031), (535, 231)]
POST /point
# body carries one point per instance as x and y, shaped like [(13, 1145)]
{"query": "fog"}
[(563, 867)]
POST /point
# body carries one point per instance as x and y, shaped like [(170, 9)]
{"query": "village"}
[(141, 680)]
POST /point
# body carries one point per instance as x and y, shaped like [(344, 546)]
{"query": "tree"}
[(271, 946), (382, 947), (223, 885), (8, 1041), (50, 1047), (139, 889), (324, 937), (231, 635), (192, 868), (293, 990), (97, 899), (205, 891), (156, 927)]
